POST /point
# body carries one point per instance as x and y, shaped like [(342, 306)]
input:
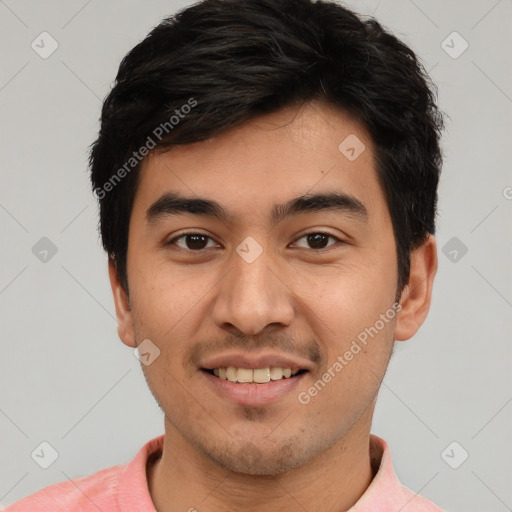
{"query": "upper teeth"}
[(258, 375)]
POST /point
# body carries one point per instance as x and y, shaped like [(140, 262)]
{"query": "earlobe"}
[(125, 327), (417, 294)]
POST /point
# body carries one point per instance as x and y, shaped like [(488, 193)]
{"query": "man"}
[(267, 177)]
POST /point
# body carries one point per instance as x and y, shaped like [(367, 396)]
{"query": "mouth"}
[(253, 375), (254, 378), (254, 387)]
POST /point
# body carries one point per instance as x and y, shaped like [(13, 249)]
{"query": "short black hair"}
[(219, 63)]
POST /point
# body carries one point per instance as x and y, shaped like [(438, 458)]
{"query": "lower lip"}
[(253, 394)]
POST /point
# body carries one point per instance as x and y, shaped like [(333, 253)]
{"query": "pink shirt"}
[(124, 488)]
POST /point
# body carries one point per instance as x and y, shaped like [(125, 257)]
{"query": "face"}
[(249, 290)]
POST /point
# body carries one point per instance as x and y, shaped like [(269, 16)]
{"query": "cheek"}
[(350, 293), (345, 305), (160, 299)]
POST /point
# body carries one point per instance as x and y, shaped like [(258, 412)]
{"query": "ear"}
[(416, 295), (125, 328)]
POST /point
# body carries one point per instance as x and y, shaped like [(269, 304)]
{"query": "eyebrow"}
[(172, 203)]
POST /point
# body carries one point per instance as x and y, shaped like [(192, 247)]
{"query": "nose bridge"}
[(251, 296)]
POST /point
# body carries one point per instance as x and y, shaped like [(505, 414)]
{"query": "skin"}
[(219, 455)]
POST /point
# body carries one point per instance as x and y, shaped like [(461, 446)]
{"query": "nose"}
[(252, 296)]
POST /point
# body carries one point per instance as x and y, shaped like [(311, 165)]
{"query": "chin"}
[(250, 459)]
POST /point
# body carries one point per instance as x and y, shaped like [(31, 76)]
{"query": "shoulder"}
[(414, 502), (94, 492), (121, 487)]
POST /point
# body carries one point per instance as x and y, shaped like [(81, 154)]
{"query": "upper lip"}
[(253, 361)]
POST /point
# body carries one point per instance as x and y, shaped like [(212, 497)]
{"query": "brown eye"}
[(318, 241), (192, 241)]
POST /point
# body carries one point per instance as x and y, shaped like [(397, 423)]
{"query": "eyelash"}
[(191, 233)]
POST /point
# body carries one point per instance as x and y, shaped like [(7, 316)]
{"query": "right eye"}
[(193, 242)]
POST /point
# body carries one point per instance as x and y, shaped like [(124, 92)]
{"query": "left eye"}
[(196, 241), (318, 240)]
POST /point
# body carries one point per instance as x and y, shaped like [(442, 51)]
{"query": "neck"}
[(184, 479)]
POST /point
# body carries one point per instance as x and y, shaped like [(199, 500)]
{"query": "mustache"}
[(308, 349)]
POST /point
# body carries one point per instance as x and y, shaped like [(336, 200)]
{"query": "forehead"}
[(268, 160)]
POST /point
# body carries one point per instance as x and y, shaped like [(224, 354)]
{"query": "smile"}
[(250, 375), (254, 387)]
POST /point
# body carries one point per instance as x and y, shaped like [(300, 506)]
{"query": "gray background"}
[(68, 380)]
